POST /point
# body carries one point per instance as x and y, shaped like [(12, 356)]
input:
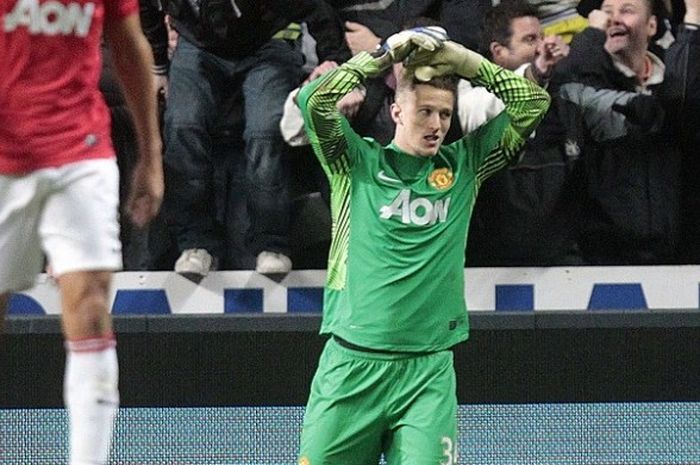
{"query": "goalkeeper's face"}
[(422, 115)]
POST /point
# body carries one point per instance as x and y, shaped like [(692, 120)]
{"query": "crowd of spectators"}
[(610, 177)]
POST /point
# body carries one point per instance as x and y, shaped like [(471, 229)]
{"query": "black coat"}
[(635, 163), (217, 27)]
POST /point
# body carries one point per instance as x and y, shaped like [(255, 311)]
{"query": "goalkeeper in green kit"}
[(394, 300)]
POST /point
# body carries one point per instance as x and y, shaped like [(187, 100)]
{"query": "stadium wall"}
[(218, 372)]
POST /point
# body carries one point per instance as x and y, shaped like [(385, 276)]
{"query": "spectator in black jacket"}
[(523, 215), (231, 71), (369, 22), (641, 113)]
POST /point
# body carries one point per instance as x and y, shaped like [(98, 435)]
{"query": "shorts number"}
[(449, 451)]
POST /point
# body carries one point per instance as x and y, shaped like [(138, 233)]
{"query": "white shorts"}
[(69, 213)]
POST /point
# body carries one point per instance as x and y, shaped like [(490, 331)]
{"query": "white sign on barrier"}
[(487, 289)]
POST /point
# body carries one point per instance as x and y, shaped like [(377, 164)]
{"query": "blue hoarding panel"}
[(139, 302), (21, 304), (243, 300), (617, 297), (515, 297), (305, 299)]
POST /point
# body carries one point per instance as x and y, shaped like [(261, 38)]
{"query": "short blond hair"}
[(407, 82)]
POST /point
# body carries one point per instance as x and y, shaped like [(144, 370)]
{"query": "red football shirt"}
[(51, 109)]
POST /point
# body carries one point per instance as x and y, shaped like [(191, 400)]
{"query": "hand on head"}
[(428, 39), (400, 45), (451, 58)]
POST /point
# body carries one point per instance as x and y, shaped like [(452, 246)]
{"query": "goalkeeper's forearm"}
[(322, 94), (526, 102)]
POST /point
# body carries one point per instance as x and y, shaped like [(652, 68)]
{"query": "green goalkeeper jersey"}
[(399, 222)]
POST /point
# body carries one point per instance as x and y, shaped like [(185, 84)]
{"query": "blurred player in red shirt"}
[(59, 182)]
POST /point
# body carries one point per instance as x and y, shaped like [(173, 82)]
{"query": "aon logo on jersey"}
[(51, 18), (419, 211)]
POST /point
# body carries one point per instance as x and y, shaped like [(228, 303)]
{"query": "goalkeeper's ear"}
[(395, 111)]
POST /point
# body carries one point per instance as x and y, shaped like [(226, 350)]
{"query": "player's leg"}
[(344, 418), (21, 258), (80, 233), (424, 430), (84, 302), (90, 387)]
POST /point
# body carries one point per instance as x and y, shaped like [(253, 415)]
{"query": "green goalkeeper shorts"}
[(364, 404)]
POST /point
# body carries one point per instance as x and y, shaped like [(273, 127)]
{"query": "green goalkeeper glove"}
[(451, 58), (398, 46)]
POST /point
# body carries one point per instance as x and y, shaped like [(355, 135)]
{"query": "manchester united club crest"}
[(441, 178)]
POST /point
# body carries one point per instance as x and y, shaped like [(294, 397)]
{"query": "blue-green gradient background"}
[(665, 433)]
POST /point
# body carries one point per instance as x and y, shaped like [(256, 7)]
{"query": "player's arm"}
[(153, 25), (525, 102), (152, 16), (318, 99), (318, 103), (133, 62)]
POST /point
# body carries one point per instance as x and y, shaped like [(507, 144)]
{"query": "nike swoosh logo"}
[(383, 177)]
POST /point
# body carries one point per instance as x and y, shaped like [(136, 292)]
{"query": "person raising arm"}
[(394, 298)]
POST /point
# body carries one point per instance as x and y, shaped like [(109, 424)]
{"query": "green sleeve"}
[(526, 104), (326, 127), (336, 146)]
